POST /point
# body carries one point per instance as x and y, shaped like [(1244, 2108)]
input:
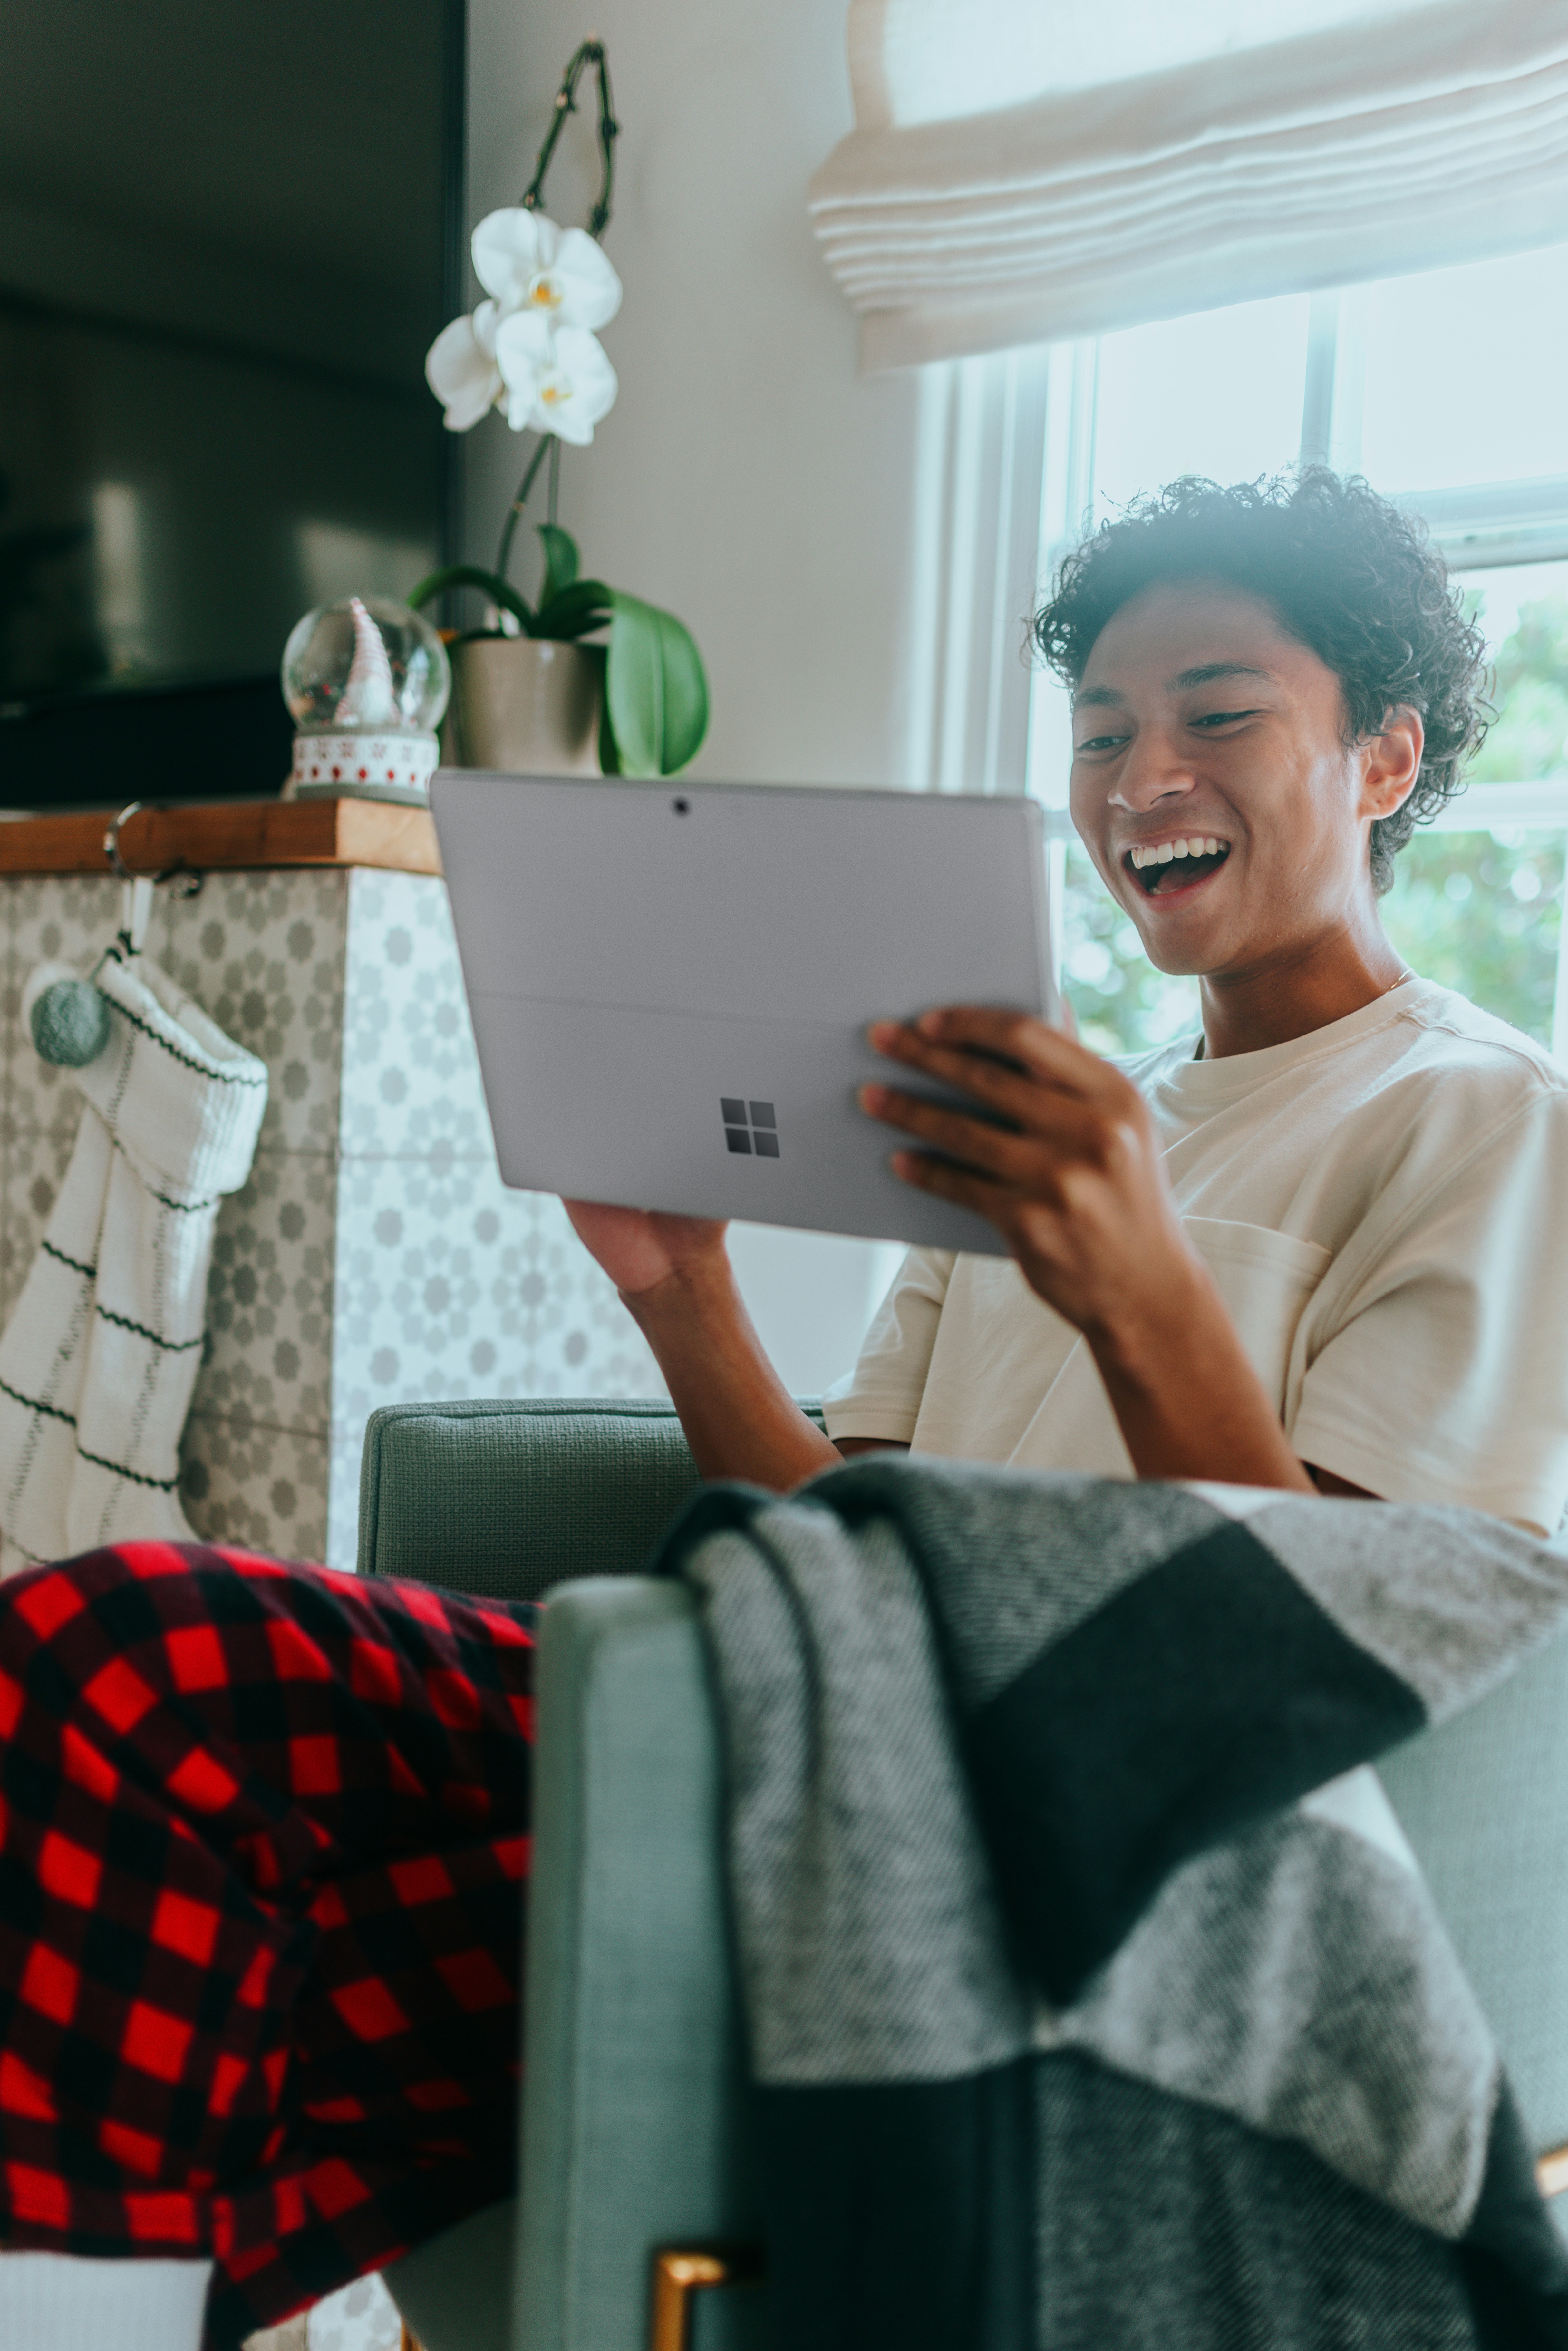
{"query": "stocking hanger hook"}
[(136, 899)]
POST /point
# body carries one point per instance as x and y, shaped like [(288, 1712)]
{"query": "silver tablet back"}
[(670, 983)]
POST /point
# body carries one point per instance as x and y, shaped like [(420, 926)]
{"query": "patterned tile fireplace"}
[(375, 1256)]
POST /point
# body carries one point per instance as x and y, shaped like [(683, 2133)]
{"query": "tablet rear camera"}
[(682, 807)]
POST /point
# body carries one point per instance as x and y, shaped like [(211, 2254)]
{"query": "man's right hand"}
[(640, 1247), (675, 1275)]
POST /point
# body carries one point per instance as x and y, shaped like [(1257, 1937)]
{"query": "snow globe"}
[(367, 682)]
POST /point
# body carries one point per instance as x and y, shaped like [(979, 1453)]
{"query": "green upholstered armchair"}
[(637, 2187), (507, 1500), (638, 2191)]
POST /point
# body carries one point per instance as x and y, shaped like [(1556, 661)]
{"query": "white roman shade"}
[(1025, 170)]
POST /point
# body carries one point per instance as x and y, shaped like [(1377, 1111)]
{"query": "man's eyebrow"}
[(1109, 697), (1207, 672)]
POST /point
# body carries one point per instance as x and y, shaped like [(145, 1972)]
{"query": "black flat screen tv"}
[(227, 238)]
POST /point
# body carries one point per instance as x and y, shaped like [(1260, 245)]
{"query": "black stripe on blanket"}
[(852, 2178), (1255, 2232), (1209, 1691), (1516, 2270)]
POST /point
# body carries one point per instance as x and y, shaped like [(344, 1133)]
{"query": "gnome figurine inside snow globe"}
[(367, 681)]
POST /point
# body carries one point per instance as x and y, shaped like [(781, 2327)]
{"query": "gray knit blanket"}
[(1094, 2000)]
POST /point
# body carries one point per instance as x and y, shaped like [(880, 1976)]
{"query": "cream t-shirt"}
[(1384, 1203)]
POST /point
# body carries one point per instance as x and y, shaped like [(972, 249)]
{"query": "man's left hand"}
[(1072, 1181)]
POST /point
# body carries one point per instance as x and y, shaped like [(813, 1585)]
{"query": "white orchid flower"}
[(557, 378), (541, 278), (461, 371), (531, 265)]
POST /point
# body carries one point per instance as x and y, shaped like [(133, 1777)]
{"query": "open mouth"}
[(1164, 866)]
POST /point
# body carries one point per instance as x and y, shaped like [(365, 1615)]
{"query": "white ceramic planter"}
[(525, 706)]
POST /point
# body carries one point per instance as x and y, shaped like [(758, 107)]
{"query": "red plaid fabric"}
[(261, 1844)]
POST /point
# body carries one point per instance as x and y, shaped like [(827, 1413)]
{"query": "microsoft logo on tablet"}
[(758, 1134)]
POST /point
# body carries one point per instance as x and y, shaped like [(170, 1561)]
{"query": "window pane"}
[(1524, 612), (1122, 1003), (1464, 374), (1480, 912), (1219, 394)]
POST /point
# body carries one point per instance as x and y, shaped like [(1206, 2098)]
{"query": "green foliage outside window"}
[(1530, 738), (1480, 912)]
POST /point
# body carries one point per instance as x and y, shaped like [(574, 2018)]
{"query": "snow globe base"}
[(364, 767)]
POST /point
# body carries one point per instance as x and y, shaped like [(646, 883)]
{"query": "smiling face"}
[(1214, 789)]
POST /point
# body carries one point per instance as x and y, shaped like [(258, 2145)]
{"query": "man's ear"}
[(1393, 762)]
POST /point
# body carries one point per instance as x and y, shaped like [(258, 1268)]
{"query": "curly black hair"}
[(1348, 574)]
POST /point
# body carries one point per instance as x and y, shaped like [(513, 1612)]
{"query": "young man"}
[(263, 1827), (1316, 1247)]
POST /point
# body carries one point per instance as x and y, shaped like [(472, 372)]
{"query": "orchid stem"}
[(504, 555), (590, 53), (552, 498)]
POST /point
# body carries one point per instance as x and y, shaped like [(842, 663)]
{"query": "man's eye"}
[(1099, 743), (1222, 717)]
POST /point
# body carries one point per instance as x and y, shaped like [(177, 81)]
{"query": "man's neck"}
[(1244, 1012)]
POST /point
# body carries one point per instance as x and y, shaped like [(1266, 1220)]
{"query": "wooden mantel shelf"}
[(234, 833)]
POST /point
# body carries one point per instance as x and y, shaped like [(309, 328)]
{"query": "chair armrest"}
[(634, 2135), (1484, 1801)]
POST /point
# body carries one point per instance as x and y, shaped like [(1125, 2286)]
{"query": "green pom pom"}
[(70, 1024)]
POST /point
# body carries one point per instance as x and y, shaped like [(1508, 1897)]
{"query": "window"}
[(1445, 390)]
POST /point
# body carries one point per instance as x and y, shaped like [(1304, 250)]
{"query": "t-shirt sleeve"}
[(1446, 1376), (881, 1397)]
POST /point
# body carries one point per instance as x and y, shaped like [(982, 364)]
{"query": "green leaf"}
[(655, 692), (586, 604), (470, 575), (609, 757), (560, 560)]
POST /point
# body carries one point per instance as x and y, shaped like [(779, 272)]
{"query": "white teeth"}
[(1194, 846)]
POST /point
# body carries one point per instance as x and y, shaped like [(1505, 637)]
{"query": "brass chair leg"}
[(1552, 2172), (677, 2275), (408, 2340)]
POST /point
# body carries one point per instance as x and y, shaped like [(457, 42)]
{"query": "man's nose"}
[(1152, 771)]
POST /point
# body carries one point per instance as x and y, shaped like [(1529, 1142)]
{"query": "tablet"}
[(670, 983)]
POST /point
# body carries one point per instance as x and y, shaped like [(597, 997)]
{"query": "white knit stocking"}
[(100, 1355)]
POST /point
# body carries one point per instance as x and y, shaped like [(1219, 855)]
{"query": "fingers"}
[(964, 1186), (1026, 1221), (1028, 1104), (1009, 1157), (1016, 1037), (1061, 1090)]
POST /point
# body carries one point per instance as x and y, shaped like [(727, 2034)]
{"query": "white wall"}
[(746, 479)]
